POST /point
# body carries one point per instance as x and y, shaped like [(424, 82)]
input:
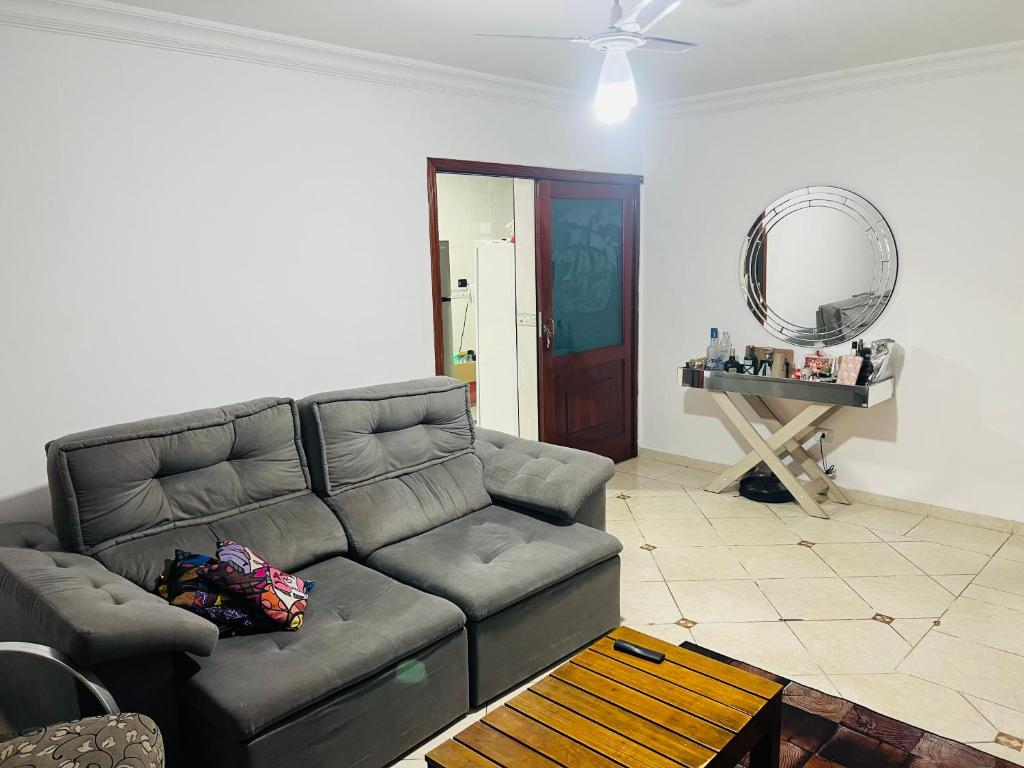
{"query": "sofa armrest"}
[(550, 479), (93, 615)]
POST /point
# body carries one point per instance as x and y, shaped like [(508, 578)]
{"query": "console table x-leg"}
[(786, 438)]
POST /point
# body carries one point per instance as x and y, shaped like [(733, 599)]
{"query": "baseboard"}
[(976, 519), (682, 461)]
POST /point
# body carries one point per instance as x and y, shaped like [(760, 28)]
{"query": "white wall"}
[(470, 209), (182, 231), (944, 162)]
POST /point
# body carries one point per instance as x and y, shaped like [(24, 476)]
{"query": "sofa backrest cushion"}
[(394, 460), (133, 493)]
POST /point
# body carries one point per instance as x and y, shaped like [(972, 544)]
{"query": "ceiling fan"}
[(616, 89)]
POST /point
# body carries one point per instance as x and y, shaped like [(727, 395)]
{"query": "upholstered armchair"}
[(114, 738)]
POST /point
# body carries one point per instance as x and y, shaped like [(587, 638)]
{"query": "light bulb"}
[(616, 90)]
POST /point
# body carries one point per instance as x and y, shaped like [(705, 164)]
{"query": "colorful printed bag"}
[(183, 586), (278, 595)]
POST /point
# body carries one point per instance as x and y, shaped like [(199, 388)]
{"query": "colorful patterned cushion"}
[(280, 596), (183, 585)]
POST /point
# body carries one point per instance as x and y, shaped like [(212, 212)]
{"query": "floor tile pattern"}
[(914, 617), (822, 730)]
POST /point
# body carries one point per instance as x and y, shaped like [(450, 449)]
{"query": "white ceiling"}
[(742, 42)]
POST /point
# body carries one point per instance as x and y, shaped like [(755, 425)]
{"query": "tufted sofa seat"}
[(358, 623), (488, 560), (401, 467), (532, 591)]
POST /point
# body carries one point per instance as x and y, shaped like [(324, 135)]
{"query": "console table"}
[(787, 436)]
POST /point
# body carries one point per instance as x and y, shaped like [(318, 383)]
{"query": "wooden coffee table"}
[(606, 709)]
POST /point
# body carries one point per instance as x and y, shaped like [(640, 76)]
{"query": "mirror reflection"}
[(818, 265)]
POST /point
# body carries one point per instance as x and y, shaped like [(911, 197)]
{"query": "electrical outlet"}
[(823, 433)]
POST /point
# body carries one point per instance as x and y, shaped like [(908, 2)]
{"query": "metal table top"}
[(795, 389)]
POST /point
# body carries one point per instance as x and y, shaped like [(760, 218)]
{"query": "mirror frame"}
[(753, 263)]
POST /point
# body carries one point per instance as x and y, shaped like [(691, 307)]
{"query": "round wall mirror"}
[(818, 264)]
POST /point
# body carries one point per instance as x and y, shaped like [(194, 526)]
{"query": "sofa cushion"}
[(492, 558), (394, 460), (359, 436), (391, 510), (358, 623), (131, 494)]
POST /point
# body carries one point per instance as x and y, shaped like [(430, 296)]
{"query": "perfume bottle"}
[(866, 367), (751, 364), (713, 360), (732, 365)]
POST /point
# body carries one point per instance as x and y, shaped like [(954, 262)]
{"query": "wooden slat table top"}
[(607, 709)]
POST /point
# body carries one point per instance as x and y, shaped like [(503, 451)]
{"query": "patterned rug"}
[(823, 731)]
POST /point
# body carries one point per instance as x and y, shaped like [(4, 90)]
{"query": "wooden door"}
[(586, 294)]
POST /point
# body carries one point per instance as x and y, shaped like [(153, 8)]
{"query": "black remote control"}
[(639, 651)]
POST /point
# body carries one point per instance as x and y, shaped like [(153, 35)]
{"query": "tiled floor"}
[(915, 617)]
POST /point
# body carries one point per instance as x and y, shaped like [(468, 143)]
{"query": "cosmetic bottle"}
[(713, 362), (732, 365), (751, 364), (866, 367)]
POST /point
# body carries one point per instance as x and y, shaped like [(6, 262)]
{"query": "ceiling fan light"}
[(616, 90)]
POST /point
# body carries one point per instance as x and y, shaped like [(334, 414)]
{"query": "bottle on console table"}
[(866, 367), (751, 364), (713, 362), (732, 365), (766, 364)]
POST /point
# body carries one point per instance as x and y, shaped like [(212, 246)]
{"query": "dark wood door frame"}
[(474, 168)]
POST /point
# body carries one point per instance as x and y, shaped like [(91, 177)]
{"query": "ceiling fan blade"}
[(648, 13), (535, 37), (664, 45)]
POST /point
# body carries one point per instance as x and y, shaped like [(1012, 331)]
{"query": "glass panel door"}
[(586, 256)]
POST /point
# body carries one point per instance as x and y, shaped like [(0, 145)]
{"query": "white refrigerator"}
[(497, 370)]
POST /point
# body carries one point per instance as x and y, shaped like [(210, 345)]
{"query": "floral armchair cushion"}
[(126, 741)]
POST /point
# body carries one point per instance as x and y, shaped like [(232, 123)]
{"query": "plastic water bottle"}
[(713, 360)]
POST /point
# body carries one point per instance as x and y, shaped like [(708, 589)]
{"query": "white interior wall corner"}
[(942, 160)]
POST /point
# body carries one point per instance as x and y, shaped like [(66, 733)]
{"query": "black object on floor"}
[(764, 488)]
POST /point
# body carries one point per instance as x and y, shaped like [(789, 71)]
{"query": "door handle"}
[(548, 329)]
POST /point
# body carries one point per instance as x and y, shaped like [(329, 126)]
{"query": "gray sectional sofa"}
[(450, 563)]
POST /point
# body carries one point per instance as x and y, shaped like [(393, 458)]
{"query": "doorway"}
[(534, 274)]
